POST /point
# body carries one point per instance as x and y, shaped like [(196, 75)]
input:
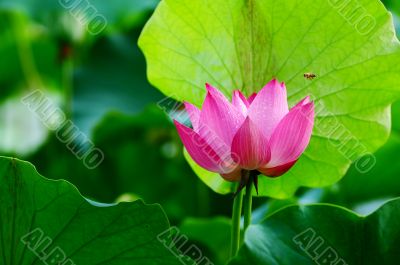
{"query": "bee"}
[(310, 76)]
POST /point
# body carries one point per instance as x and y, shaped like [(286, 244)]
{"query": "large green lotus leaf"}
[(323, 234), (34, 210), (244, 43)]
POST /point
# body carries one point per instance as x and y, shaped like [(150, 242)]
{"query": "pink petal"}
[(291, 136), (194, 114), (302, 102), (219, 120), (201, 152), (235, 175), (240, 101), (277, 171), (269, 107), (252, 97), (250, 147)]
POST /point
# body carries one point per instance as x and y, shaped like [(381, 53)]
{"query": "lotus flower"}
[(257, 134)]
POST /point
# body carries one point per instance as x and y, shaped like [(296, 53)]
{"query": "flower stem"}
[(236, 214), (248, 200)]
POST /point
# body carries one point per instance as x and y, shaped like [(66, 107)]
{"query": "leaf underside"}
[(33, 208), (242, 44)]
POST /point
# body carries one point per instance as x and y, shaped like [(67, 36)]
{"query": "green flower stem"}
[(236, 214), (248, 200)]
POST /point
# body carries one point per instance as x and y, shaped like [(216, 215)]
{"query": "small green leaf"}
[(35, 210), (323, 234), (242, 44)]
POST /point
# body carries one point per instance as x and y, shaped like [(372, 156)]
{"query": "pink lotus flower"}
[(257, 134)]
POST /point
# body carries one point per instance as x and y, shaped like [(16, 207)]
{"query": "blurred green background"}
[(100, 83)]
